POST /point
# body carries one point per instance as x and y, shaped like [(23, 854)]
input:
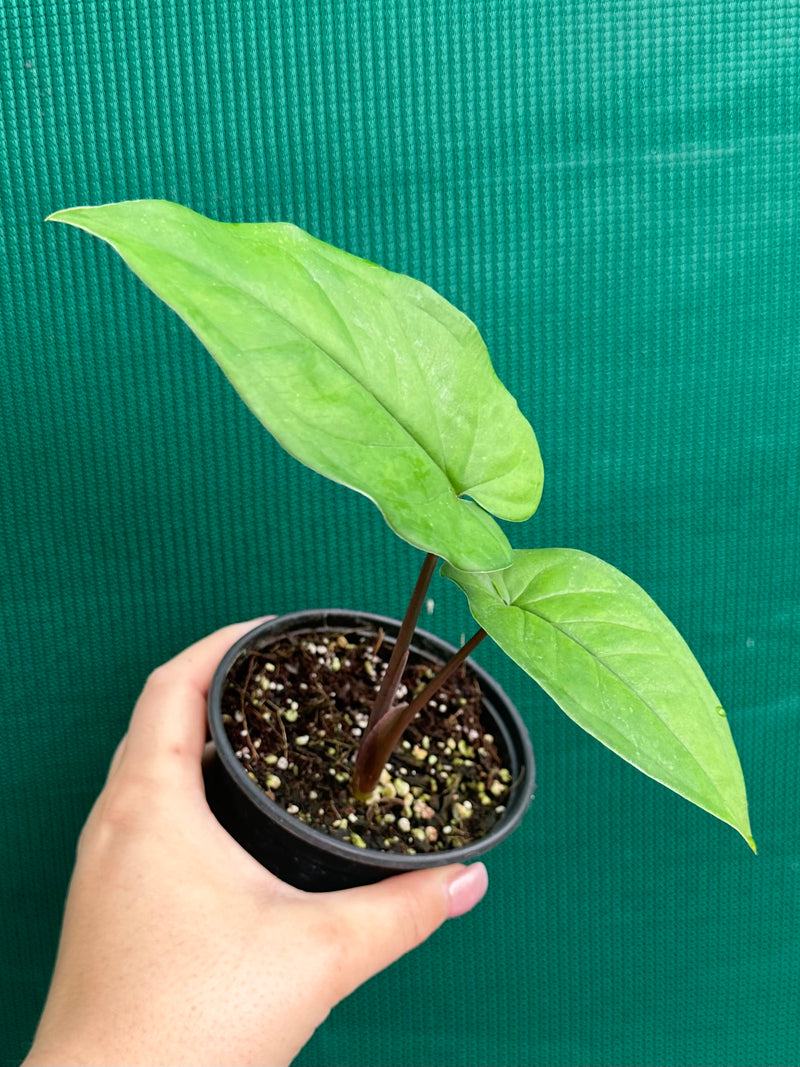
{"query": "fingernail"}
[(466, 889)]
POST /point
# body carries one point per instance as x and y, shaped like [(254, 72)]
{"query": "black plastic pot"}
[(308, 858)]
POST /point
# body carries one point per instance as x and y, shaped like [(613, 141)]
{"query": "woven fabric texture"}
[(611, 190)]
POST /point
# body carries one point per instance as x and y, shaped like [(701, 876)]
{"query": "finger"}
[(167, 731), (116, 759), (382, 922)]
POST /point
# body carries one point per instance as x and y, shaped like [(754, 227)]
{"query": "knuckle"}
[(160, 677), (417, 918), (119, 812)]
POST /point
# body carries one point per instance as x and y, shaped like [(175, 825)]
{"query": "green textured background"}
[(611, 190)]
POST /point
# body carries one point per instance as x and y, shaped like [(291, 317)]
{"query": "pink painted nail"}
[(466, 889)]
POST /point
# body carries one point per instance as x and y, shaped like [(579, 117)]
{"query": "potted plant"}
[(375, 381)]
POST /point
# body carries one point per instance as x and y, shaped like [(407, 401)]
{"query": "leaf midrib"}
[(458, 493), (621, 679)]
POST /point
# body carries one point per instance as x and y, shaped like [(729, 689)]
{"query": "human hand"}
[(177, 947)]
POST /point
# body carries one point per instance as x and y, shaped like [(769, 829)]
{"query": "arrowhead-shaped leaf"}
[(367, 376), (614, 663)]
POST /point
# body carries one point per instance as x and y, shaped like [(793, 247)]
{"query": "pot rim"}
[(515, 737)]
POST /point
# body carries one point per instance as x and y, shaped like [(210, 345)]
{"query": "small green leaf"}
[(615, 664), (367, 376)]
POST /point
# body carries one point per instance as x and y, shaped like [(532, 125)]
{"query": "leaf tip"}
[(63, 215)]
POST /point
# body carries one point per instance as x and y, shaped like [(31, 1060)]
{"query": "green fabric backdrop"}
[(611, 190)]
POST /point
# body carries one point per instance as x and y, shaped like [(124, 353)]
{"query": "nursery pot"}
[(311, 859)]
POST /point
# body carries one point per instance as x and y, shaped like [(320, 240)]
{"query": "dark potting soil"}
[(296, 711)]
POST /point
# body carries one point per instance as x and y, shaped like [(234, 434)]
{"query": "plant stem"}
[(435, 684), (381, 738), (397, 661)]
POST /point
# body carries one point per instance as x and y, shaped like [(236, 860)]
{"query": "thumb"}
[(382, 922)]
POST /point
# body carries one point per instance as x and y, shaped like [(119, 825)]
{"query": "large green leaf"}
[(367, 376), (614, 663)]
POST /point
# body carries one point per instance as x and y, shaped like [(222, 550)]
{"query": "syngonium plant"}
[(374, 380)]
